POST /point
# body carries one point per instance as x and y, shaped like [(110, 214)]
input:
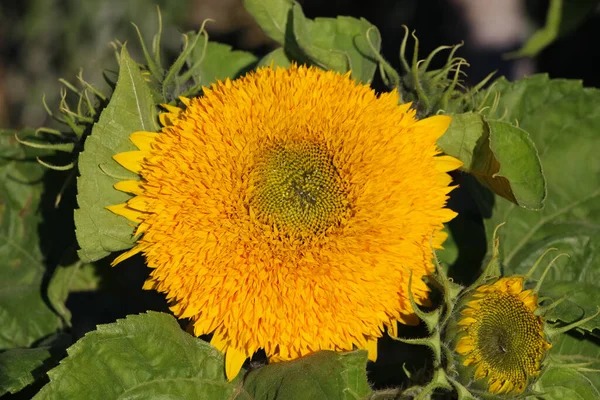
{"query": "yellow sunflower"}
[(285, 210), (502, 337)]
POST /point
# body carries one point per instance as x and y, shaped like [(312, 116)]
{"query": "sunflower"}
[(502, 338), (287, 209)]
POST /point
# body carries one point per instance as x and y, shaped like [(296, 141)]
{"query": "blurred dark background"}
[(44, 40)]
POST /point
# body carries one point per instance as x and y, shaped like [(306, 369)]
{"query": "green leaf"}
[(562, 18), (142, 356), (67, 279), (567, 380), (519, 177), (323, 375), (272, 16), (25, 316), (340, 44), (22, 367), (18, 368), (277, 58), (131, 108), (563, 120), (499, 155), (583, 300), (216, 61)]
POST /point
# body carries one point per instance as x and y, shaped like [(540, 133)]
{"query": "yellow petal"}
[(143, 140), (515, 285), (438, 239), (234, 359), (218, 343), (184, 100), (464, 345), (447, 214), (507, 387), (171, 109), (127, 254), (393, 329), (130, 186), (467, 321), (447, 163), (132, 160), (125, 211), (495, 387), (372, 349), (433, 127), (480, 372), (149, 285)]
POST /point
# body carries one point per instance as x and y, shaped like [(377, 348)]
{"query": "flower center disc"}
[(509, 336), (298, 189)]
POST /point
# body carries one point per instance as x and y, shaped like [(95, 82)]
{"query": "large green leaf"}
[(583, 300), (574, 373), (498, 154), (140, 357), (131, 108), (323, 375), (18, 368), (217, 61), (272, 16), (562, 18), (24, 315), (276, 58), (563, 119), (341, 44)]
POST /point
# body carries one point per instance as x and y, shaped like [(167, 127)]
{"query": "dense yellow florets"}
[(286, 210)]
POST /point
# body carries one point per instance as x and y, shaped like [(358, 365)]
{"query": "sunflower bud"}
[(498, 340), (490, 340)]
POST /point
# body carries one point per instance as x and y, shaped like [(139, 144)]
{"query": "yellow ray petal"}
[(438, 239), (495, 387), (130, 186), (447, 163), (372, 349), (129, 253), (143, 140), (515, 286), (464, 345), (132, 160), (125, 211), (480, 371), (149, 285), (171, 109), (234, 359), (507, 387), (218, 343), (432, 127)]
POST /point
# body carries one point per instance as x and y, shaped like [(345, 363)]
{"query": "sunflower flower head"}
[(286, 211)]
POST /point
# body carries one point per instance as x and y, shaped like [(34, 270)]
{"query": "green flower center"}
[(298, 189)]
